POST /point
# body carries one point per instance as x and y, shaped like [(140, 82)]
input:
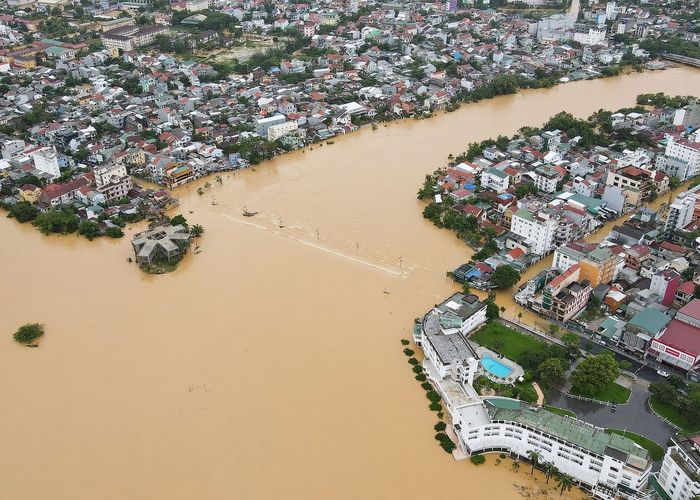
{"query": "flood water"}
[(268, 365)]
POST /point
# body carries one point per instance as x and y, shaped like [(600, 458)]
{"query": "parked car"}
[(662, 373)]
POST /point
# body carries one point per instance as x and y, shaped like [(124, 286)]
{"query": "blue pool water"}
[(495, 368)]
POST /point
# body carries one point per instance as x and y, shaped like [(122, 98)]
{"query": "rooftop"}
[(650, 320), (574, 431)]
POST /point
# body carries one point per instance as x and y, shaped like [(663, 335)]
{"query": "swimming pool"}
[(495, 368)]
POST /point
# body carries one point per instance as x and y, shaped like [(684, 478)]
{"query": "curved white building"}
[(602, 462)]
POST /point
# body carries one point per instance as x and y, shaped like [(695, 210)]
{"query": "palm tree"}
[(550, 470), (565, 482), (534, 457), (515, 466), (196, 230)]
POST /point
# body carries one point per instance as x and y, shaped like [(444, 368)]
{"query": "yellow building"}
[(598, 266), (30, 193)]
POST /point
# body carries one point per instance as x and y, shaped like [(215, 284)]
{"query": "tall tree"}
[(550, 470), (565, 482), (594, 374), (534, 457)]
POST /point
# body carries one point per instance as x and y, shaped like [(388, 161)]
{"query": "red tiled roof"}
[(556, 281), (667, 245), (691, 309), (516, 253), (682, 336)]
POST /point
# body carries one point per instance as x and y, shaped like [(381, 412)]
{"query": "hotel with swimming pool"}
[(607, 465)]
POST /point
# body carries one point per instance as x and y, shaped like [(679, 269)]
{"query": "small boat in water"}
[(248, 213)]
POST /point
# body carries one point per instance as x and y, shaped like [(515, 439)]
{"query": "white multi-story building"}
[(495, 179), (680, 213), (131, 37), (12, 148), (46, 160), (601, 461), (687, 151), (443, 331), (537, 229), (590, 35), (113, 181), (281, 129), (680, 471), (263, 124), (546, 179)]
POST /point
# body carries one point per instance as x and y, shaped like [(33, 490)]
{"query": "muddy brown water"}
[(269, 364)]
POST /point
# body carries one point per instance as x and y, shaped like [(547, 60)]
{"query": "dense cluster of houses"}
[(638, 287), (79, 119), (540, 193)]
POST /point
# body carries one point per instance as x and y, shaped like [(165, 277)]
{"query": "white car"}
[(662, 373)]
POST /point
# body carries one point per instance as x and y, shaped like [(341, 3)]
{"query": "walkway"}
[(540, 394)]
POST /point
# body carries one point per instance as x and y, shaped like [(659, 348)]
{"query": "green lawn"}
[(675, 415), (560, 411), (656, 451), (506, 341), (614, 393)]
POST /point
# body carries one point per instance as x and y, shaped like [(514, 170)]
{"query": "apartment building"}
[(679, 476), (685, 151), (680, 213), (113, 181), (131, 37), (537, 229), (635, 183)]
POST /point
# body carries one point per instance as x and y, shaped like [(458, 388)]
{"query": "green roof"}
[(574, 431), (524, 214), (505, 403), (449, 320), (609, 326), (50, 41), (497, 173), (55, 50), (599, 255), (649, 320)]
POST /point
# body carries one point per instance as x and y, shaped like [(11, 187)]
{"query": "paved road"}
[(633, 416)]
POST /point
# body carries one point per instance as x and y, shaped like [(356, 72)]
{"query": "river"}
[(269, 365)]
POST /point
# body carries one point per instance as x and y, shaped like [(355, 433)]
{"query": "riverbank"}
[(215, 382)]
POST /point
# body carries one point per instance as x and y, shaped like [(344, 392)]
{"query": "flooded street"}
[(269, 365)]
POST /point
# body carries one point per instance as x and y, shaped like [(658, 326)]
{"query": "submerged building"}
[(161, 242)]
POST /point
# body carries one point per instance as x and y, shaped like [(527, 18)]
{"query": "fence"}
[(660, 417)]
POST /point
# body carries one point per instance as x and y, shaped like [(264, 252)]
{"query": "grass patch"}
[(614, 393), (560, 411), (675, 415), (656, 451), (506, 341)]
